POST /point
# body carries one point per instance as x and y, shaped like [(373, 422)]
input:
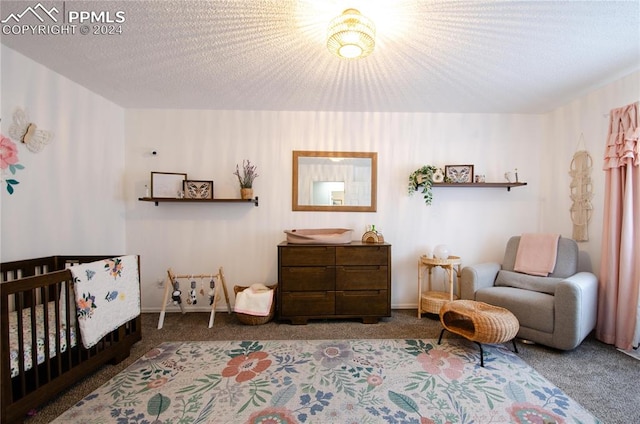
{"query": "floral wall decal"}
[(9, 161)]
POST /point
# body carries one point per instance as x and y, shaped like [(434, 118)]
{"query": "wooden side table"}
[(431, 301)]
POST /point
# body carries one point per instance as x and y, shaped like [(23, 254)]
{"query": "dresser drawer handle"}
[(306, 295), (360, 268), (360, 293)]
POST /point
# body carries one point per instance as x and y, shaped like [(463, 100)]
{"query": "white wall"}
[(589, 116), (80, 194), (70, 196), (190, 238)]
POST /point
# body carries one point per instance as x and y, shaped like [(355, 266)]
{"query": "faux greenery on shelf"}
[(422, 177), (248, 174)]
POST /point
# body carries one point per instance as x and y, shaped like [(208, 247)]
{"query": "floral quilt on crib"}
[(107, 295)]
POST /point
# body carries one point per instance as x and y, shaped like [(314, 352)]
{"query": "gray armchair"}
[(558, 310)]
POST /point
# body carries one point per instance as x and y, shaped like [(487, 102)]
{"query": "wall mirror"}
[(334, 181)]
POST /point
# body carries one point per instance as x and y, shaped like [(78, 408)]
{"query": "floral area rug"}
[(327, 381)]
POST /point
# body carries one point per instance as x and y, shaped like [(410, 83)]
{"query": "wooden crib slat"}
[(44, 294), (62, 315), (19, 302), (32, 296), (5, 366), (69, 300)]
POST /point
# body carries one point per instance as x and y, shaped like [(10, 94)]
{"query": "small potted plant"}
[(422, 177), (246, 178)]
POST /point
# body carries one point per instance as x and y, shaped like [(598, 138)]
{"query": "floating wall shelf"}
[(157, 200), (481, 185)]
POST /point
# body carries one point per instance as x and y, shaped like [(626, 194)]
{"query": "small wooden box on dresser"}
[(334, 281)]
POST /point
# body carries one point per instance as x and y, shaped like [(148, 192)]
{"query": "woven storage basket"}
[(433, 301), (253, 319)]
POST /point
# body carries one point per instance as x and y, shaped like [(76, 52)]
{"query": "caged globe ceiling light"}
[(351, 35)]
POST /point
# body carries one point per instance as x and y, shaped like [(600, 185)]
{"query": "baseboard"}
[(204, 308)]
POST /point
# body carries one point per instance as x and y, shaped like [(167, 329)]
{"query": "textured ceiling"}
[(430, 56)]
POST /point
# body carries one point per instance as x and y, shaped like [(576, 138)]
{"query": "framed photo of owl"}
[(458, 173), (194, 189)]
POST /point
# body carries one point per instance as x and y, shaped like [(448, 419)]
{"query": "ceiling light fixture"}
[(351, 35)]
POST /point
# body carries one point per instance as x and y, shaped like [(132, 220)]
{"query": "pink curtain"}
[(620, 260)]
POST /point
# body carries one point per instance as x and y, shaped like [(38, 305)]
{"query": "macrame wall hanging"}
[(581, 191)]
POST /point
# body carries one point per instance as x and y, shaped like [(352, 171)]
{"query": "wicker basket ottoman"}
[(479, 322)]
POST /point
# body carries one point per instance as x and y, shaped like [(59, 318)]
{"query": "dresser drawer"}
[(307, 303), (362, 302), (362, 255), (307, 278), (362, 277), (307, 256)]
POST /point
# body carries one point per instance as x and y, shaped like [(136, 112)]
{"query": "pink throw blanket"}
[(537, 254)]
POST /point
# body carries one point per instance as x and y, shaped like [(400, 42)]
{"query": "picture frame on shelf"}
[(458, 174), (198, 189), (167, 185)]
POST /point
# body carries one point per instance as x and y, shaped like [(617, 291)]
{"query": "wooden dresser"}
[(334, 281)]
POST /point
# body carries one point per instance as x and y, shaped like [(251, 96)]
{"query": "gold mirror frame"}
[(373, 156)]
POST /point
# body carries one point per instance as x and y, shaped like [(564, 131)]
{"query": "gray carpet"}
[(602, 379)]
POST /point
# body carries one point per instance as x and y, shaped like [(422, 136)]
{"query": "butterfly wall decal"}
[(24, 131)]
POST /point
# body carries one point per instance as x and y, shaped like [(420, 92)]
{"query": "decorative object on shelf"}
[(9, 160), (480, 179), (511, 177), (194, 189), (246, 193), (422, 177), (351, 35), (167, 185), (438, 176), (28, 133), (441, 251), (581, 193), (246, 179), (458, 173), (372, 235)]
